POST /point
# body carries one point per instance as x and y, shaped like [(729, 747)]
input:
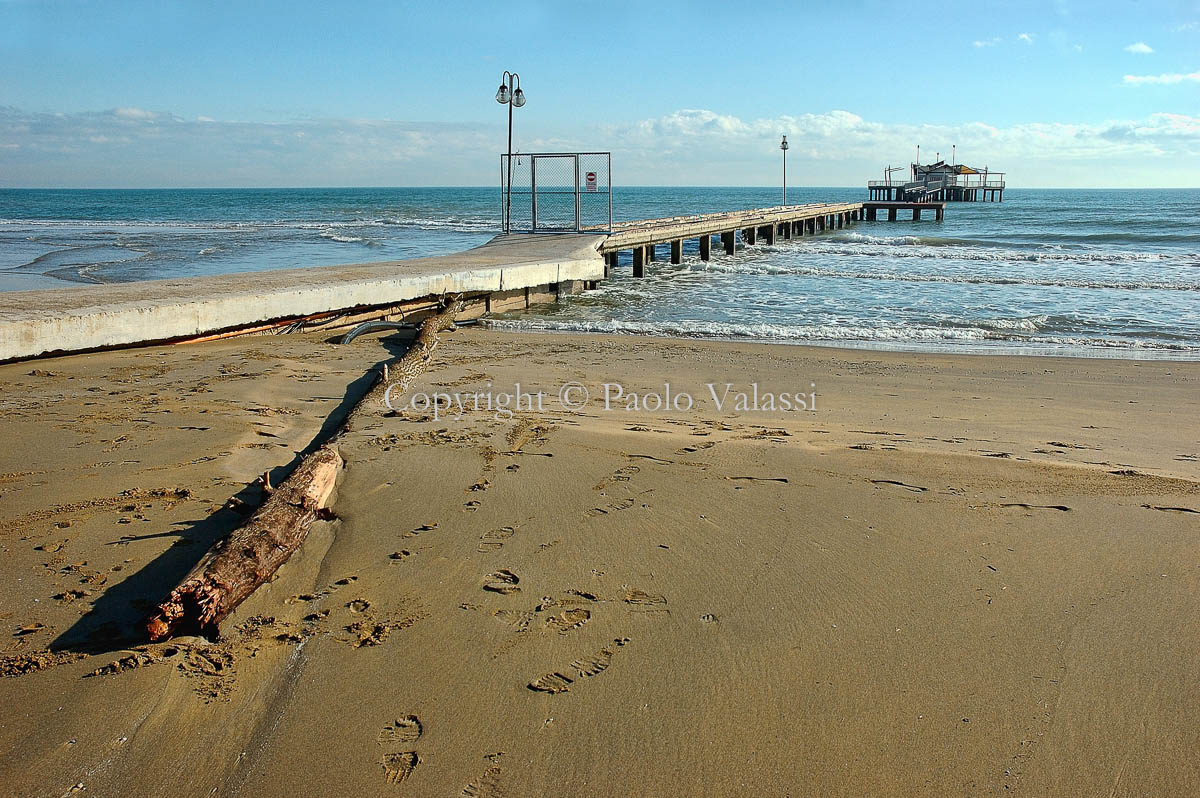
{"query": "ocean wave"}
[(456, 224), (901, 241), (838, 333), (1031, 324), (899, 248), (344, 239), (768, 268)]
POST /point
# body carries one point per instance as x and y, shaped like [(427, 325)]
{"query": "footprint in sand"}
[(398, 767), (401, 733), (897, 483), (1062, 508), (517, 620), (494, 539), (503, 582), (305, 597), (614, 507), (1171, 509), (422, 528), (568, 620), (582, 668), (594, 664), (647, 603), (623, 474), (643, 599), (551, 683), (488, 783)]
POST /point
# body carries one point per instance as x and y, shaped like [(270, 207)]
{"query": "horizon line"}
[(497, 188)]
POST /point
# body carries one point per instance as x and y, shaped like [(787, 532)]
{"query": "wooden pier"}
[(767, 225)]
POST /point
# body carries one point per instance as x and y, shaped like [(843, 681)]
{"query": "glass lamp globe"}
[(519, 98), (502, 94)]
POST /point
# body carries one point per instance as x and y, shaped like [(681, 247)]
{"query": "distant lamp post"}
[(783, 145), (509, 94)]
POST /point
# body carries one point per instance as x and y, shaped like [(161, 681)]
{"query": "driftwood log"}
[(238, 564)]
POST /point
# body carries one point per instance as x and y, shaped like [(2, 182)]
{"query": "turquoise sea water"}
[(1094, 272)]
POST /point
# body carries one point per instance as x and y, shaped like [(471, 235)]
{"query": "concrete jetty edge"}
[(79, 319)]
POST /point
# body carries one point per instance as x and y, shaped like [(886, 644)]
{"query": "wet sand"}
[(957, 575)]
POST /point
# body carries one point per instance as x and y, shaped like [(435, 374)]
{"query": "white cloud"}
[(840, 147), (1025, 37), (684, 147), (1168, 79), (992, 42), (132, 147), (1141, 48), (133, 113)]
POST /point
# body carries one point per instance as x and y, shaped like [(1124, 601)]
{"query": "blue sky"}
[(299, 93)]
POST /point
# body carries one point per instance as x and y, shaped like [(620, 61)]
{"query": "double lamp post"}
[(509, 94)]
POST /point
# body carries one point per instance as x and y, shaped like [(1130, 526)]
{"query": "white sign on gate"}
[(591, 182)]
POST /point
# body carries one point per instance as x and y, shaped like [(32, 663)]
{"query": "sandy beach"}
[(955, 575)]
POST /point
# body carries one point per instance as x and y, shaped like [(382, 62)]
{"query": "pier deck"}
[(784, 221), (507, 273)]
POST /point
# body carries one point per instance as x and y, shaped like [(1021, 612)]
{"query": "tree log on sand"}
[(238, 564)]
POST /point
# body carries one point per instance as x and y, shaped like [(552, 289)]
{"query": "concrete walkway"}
[(76, 319)]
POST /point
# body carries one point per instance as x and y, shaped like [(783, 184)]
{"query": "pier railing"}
[(954, 181)]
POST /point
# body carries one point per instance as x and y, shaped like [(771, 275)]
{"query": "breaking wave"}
[(993, 333)]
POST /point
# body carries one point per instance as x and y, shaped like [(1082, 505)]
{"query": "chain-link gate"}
[(556, 192)]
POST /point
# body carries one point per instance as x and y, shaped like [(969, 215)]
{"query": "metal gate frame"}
[(508, 196)]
